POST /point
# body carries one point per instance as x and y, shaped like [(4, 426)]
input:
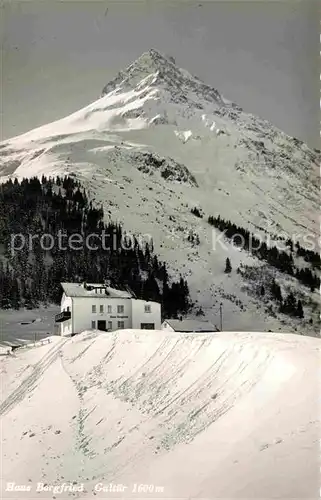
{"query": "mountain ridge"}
[(165, 71)]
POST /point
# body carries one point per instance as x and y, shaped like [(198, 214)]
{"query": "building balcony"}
[(63, 316)]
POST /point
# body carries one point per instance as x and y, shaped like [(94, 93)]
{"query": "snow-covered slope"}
[(232, 415), (159, 142)]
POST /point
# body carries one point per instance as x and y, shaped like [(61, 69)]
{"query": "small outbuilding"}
[(188, 326)]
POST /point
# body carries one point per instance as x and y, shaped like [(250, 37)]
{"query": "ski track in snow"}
[(155, 407), (30, 382)]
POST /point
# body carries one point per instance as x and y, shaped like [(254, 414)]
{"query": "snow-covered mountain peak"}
[(165, 74), (152, 60)]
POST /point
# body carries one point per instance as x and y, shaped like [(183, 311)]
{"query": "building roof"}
[(79, 290), (191, 325)]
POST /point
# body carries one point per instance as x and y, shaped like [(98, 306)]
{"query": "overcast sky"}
[(58, 55)]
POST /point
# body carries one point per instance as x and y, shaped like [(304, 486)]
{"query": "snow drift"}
[(231, 415)]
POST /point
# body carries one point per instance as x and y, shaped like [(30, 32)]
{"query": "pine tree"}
[(15, 294), (289, 306), (299, 311), (228, 266), (276, 291)]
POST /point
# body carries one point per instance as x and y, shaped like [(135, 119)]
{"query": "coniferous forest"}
[(279, 259), (38, 218)]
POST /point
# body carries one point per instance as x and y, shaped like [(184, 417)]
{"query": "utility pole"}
[(221, 316)]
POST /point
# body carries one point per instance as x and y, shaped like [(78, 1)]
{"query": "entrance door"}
[(101, 325), (147, 326)]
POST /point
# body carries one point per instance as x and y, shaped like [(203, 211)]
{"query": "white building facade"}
[(86, 306)]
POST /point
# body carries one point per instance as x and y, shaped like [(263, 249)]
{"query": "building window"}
[(147, 308), (110, 325), (121, 324), (93, 308), (101, 291), (109, 309), (93, 325), (96, 290), (120, 309), (101, 308), (147, 326)]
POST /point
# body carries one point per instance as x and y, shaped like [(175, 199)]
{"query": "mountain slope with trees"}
[(38, 218)]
